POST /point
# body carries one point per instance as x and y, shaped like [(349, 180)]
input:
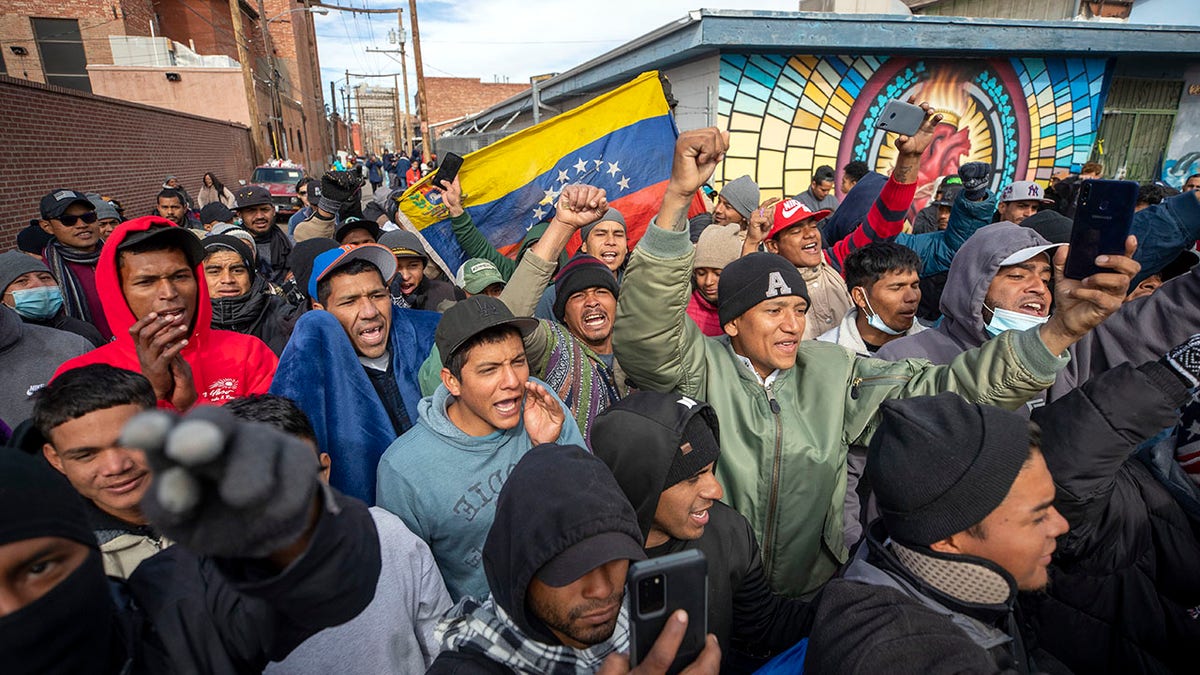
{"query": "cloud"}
[(497, 39)]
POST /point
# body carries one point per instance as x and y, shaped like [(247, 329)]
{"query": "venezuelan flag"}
[(622, 141)]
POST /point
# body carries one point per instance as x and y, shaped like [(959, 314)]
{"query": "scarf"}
[(242, 312), (274, 269), (57, 256), (487, 629)]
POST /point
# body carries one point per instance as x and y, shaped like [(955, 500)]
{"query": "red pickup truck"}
[(280, 180)]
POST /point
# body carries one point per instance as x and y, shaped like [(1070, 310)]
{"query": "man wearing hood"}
[(151, 277), (555, 559), (352, 368), (791, 408), (73, 253), (251, 578), (240, 299), (663, 450), (29, 355), (573, 353), (257, 211), (443, 476), (27, 286), (886, 290), (1000, 280), (968, 520)]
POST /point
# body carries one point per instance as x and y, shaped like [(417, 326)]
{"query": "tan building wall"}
[(208, 92)]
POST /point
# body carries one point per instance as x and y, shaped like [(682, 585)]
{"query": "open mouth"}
[(787, 346), (699, 518), (508, 407), (172, 315), (609, 258), (810, 248), (1034, 308), (595, 320), (372, 336)]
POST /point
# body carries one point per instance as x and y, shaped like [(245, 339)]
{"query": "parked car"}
[(280, 179)]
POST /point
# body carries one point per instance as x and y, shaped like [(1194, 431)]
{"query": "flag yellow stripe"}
[(539, 148)]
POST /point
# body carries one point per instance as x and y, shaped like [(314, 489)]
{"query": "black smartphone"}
[(447, 169), (1103, 216), (656, 589), (900, 117)]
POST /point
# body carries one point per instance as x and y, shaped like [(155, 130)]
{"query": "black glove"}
[(339, 188), (975, 177), (222, 486), (1184, 361)]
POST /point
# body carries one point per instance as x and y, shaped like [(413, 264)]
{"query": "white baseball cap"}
[(1020, 256), (1024, 190)]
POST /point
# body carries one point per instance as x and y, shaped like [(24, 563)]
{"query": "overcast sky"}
[(490, 39)]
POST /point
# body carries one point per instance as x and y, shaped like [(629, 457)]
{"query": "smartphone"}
[(656, 589), (447, 169), (1103, 216), (900, 117)]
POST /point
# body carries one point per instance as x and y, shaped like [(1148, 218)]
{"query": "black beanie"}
[(939, 465), (37, 501), (302, 256), (33, 238), (579, 274), (753, 278)]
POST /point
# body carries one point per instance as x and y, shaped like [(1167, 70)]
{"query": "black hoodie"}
[(638, 439), (555, 497)]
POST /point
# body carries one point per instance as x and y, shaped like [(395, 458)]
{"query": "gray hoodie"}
[(1142, 330), (29, 355)]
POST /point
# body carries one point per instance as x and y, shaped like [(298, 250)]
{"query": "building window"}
[(299, 141), (61, 48)]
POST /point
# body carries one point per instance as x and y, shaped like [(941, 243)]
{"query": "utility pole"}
[(362, 134), (404, 73), (239, 38), (333, 119), (422, 103), (280, 134), (397, 138)]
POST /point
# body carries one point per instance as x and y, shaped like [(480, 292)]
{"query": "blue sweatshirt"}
[(444, 483)]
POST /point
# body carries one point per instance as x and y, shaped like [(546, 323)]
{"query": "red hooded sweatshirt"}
[(225, 365)]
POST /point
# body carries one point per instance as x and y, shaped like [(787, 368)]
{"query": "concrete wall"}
[(695, 86), (208, 92), (1183, 152), (54, 137)]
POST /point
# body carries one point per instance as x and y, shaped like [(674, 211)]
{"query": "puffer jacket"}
[(783, 446), (1124, 585)]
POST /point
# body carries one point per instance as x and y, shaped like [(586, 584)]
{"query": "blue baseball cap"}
[(379, 256)]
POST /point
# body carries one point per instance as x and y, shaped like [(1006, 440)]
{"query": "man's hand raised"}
[(158, 342), (580, 205), (1081, 305), (451, 196), (543, 416), (918, 142), (697, 153)]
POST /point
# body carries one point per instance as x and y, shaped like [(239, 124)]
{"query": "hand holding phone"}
[(662, 654), (447, 169), (1103, 216), (900, 117), (656, 589)]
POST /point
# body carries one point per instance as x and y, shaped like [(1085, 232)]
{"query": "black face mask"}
[(68, 630)]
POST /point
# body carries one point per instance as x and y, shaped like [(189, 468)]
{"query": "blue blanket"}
[(321, 373)]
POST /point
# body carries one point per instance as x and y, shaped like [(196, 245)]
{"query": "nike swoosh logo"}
[(790, 207)]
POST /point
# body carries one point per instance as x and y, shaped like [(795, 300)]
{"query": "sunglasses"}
[(303, 193), (69, 221)]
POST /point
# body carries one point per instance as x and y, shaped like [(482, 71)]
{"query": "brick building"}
[(452, 98), (74, 43)]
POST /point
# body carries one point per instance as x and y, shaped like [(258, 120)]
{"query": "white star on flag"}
[(581, 165), (598, 162), (613, 169), (563, 177), (538, 214), (623, 183), (550, 195)]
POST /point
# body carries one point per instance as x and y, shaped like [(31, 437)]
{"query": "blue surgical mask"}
[(39, 303), (1004, 319), (877, 323)]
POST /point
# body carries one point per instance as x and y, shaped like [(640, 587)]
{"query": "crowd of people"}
[(903, 440)]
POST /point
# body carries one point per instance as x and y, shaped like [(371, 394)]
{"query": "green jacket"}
[(783, 447)]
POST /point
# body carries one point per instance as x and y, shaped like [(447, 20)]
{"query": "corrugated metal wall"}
[(1136, 127), (1039, 10)]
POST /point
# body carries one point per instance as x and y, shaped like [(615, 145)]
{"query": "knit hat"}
[(611, 215), (303, 254), (939, 465), (14, 263), (33, 238), (753, 278), (104, 209), (225, 242), (372, 210), (215, 212), (37, 501), (718, 246), (742, 195), (581, 273)]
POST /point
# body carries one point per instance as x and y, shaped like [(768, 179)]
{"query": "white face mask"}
[(877, 323), (1005, 319)]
